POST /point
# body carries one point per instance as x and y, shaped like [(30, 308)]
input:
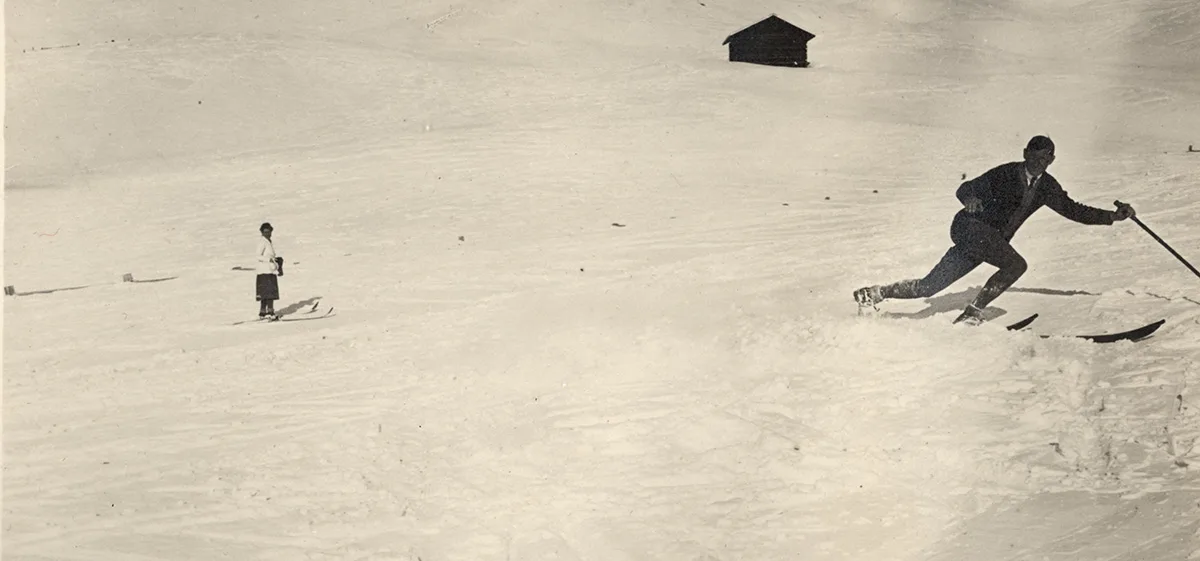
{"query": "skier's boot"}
[(867, 298), (970, 316)]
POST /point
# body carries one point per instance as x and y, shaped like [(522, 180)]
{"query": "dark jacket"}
[(1002, 190)]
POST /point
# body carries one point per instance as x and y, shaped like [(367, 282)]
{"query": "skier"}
[(270, 267), (995, 205)]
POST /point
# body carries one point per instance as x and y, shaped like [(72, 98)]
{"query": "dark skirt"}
[(266, 287)]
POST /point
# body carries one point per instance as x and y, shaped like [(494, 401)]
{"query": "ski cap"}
[(1040, 142), (265, 226)]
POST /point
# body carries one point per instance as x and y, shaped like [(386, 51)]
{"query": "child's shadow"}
[(956, 301), (303, 304)]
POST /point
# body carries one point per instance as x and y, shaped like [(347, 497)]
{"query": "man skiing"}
[(995, 205)]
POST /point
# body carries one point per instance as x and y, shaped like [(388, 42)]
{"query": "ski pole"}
[(1160, 240)]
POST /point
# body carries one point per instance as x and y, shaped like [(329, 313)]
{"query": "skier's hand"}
[(972, 205), (1123, 211)]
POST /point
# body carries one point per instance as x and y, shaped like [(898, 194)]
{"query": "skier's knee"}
[(1018, 267)]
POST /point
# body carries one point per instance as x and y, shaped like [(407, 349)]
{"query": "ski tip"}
[(1147, 331), (1131, 335), (1154, 326), (1023, 323)]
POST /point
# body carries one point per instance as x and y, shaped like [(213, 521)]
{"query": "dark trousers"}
[(974, 243)]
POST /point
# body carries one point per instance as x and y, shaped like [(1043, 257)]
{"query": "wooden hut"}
[(771, 41)]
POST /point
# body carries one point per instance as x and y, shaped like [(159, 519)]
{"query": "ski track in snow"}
[(591, 304)]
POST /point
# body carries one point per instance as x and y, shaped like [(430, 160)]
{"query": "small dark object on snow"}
[(618, 225), (827, 198), (462, 238)]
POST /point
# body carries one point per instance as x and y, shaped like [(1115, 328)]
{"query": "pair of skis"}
[(309, 315), (1131, 335)]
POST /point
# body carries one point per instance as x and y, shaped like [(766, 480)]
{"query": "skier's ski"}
[(305, 317), (328, 313), (1131, 335), (1022, 324)]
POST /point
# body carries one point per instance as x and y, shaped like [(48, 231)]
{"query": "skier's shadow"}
[(956, 301), (303, 304)]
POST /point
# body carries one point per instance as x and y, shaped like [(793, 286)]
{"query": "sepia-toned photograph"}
[(601, 280)]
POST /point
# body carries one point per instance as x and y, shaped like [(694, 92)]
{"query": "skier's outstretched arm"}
[(1058, 200)]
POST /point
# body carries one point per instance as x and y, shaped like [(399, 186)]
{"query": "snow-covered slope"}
[(592, 283)]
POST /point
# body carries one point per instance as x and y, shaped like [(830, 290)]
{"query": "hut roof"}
[(771, 25)]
